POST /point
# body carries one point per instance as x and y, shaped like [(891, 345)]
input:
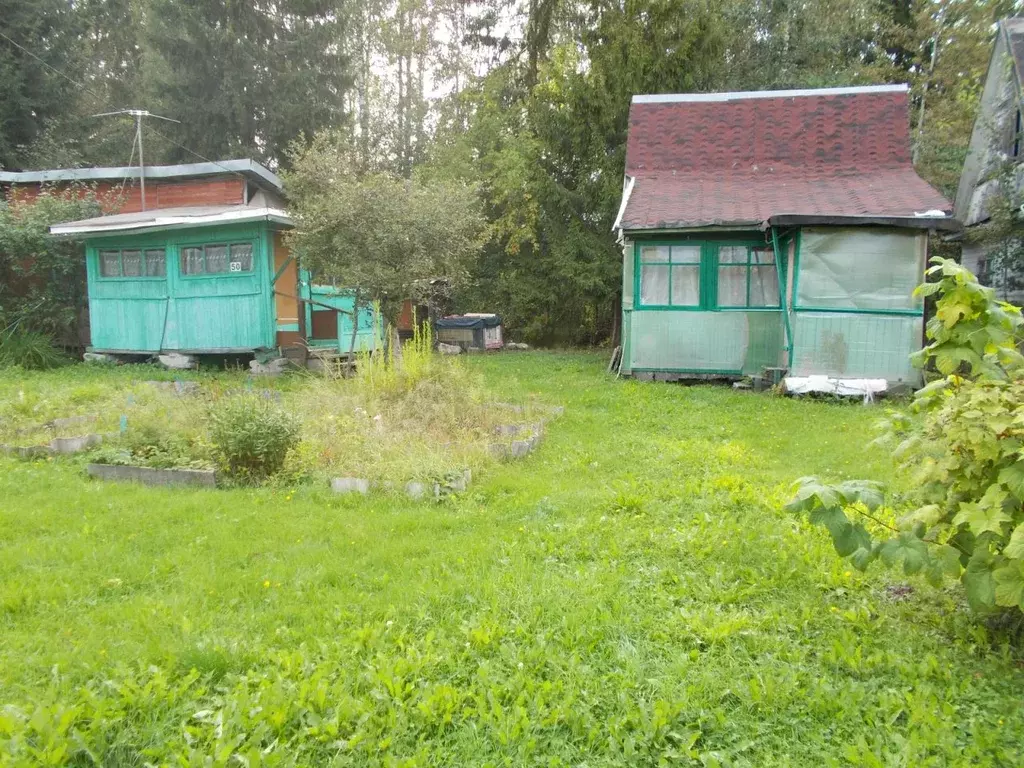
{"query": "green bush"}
[(964, 448), (31, 350), (42, 277), (252, 436)]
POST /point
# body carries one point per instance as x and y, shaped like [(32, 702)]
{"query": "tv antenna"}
[(138, 114)]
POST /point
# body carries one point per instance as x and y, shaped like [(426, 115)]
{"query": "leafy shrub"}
[(42, 278), (31, 350), (252, 436), (156, 439), (964, 448)]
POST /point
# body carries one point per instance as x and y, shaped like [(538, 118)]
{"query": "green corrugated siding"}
[(178, 312)]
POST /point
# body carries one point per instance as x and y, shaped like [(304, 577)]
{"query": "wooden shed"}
[(781, 230), (208, 278)]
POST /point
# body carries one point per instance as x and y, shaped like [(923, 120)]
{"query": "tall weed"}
[(387, 374), (252, 436), (30, 350)]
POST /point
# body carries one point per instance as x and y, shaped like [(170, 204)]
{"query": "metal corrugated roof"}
[(161, 218), (251, 170)]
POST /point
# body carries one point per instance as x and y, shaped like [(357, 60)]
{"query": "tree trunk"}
[(395, 343), (364, 88), (351, 362), (402, 117), (924, 94)]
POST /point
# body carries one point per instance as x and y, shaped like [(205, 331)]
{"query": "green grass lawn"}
[(630, 594)]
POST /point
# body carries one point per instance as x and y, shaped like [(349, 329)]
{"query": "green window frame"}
[(669, 274), (751, 278), (138, 263), (220, 259), (803, 252), (719, 275)]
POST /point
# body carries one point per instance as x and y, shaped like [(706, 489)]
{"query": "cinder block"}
[(350, 485), (270, 368), (520, 448), (149, 476), (178, 362), (74, 444), (96, 357)]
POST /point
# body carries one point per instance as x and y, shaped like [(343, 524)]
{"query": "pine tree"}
[(42, 43)]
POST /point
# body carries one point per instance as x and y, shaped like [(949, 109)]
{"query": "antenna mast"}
[(138, 114)]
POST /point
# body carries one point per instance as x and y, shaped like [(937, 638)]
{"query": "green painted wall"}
[(178, 312), (369, 333)]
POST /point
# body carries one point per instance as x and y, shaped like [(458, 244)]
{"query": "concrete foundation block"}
[(415, 490), (273, 367), (26, 452), (350, 485), (72, 421), (499, 450), (520, 448), (449, 349), (75, 444), (148, 476), (99, 358), (178, 362), (508, 430)]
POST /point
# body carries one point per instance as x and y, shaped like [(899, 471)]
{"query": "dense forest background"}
[(526, 99)]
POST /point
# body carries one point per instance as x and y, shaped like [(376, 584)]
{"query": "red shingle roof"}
[(742, 158)]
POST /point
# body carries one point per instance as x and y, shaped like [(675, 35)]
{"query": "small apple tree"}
[(384, 236)]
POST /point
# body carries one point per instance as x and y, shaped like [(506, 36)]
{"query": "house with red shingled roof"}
[(774, 231)]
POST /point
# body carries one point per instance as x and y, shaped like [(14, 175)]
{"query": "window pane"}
[(156, 263), (131, 263), (686, 286), (241, 257), (686, 254), (763, 256), (654, 285), (860, 269), (110, 264), (732, 286), (764, 287), (650, 253), (192, 261), (216, 259), (732, 254)]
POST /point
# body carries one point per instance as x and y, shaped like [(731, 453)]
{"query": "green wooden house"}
[(774, 232), (211, 278)]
